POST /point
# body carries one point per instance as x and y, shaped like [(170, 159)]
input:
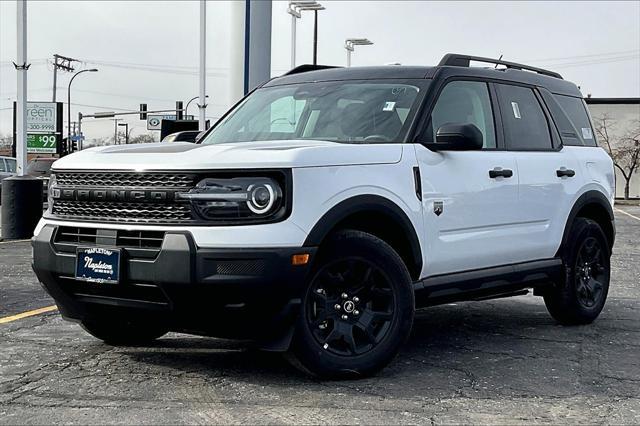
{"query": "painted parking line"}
[(28, 314), (13, 241), (628, 214)]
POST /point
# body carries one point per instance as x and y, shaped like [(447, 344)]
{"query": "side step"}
[(488, 283)]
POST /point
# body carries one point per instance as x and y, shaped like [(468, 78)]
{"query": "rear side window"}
[(525, 125), (576, 110)]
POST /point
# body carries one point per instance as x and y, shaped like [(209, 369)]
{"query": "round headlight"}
[(261, 198)]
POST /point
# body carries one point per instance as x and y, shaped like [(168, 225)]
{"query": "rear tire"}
[(358, 308), (582, 295), (124, 332)]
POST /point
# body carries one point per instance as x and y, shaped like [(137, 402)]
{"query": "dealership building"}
[(624, 115)]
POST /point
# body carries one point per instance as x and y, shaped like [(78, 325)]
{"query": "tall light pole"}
[(202, 105), (186, 109), (295, 7), (21, 107), (351, 42), (69, 105)]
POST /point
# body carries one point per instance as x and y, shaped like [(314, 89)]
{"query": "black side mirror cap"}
[(457, 137)]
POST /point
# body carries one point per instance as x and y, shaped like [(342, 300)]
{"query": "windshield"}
[(368, 111)]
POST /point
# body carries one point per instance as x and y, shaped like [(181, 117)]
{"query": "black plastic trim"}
[(366, 203), (589, 197), (487, 282)]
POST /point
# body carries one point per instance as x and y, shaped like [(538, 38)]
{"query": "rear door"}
[(549, 175), (469, 209)]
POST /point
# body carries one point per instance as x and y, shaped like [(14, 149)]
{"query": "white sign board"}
[(41, 117)]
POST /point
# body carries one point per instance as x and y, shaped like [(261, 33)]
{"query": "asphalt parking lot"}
[(501, 361)]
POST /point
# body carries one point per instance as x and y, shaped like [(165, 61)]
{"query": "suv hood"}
[(242, 155)]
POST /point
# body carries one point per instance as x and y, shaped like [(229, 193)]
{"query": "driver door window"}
[(465, 102)]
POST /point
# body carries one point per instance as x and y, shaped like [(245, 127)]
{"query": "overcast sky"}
[(148, 51)]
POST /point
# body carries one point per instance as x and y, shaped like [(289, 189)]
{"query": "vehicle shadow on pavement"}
[(476, 348)]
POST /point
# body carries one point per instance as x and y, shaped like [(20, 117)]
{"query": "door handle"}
[(565, 172), (498, 172)]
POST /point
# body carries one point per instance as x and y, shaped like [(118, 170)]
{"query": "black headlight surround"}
[(282, 177), (223, 202)]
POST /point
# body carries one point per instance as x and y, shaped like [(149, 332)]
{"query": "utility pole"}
[(21, 194), (115, 130), (202, 106), (80, 141), (63, 63)]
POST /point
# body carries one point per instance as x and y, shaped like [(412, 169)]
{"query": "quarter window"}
[(525, 124), (465, 102), (575, 109)]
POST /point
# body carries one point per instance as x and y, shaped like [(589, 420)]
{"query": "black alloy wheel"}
[(591, 271), (351, 307), (357, 309)]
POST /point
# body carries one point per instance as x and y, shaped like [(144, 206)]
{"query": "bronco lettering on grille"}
[(113, 195)]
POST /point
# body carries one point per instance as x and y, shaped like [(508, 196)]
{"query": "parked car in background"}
[(41, 168), (186, 136), (7, 169)]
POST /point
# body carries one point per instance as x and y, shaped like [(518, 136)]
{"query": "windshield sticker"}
[(587, 133), (516, 110), (389, 106)]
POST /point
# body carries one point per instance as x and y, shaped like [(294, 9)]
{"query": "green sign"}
[(41, 143)]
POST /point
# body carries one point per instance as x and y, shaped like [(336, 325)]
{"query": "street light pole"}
[(21, 106), (69, 106), (295, 9), (351, 42), (202, 121), (186, 109)]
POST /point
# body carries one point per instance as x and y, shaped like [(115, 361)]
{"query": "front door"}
[(470, 198)]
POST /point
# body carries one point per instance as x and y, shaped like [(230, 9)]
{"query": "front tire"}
[(123, 332), (581, 298), (358, 308)]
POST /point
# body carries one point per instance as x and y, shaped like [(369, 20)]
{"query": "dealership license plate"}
[(97, 264)]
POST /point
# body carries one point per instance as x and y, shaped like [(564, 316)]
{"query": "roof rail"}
[(308, 67), (457, 60)]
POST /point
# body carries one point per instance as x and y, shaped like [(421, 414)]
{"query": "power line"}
[(602, 54)]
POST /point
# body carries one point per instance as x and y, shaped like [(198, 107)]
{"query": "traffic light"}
[(179, 111), (143, 111)]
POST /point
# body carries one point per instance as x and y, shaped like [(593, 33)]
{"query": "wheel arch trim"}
[(591, 197), (363, 204)]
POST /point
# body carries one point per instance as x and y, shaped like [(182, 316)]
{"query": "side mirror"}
[(457, 137)]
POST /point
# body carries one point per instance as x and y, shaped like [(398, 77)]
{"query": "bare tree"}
[(143, 138), (624, 149)]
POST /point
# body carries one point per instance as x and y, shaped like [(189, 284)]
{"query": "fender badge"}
[(438, 207)]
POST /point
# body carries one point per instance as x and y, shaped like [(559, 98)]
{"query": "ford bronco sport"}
[(329, 204)]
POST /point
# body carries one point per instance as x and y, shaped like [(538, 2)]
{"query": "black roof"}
[(514, 73)]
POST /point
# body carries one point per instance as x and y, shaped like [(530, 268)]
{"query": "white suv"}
[(329, 204)]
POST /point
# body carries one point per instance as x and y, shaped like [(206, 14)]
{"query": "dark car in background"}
[(185, 136), (41, 168)]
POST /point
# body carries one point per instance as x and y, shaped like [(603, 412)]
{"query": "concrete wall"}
[(622, 116)]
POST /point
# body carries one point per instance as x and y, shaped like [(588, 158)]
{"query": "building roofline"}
[(612, 101)]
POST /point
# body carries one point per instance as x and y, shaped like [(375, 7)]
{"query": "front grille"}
[(112, 237), (125, 180), (240, 267), (138, 244), (123, 211), (145, 209)]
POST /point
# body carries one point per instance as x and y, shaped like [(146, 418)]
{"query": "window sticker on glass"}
[(587, 133), (516, 110), (389, 106)]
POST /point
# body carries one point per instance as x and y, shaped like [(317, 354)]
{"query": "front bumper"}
[(237, 293)]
